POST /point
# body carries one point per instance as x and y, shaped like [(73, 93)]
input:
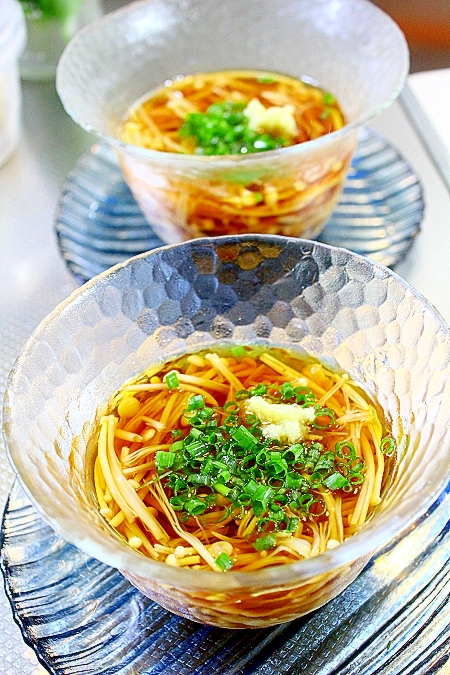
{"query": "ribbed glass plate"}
[(83, 618), (99, 224)]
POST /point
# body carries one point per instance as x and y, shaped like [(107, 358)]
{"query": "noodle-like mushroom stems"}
[(219, 365), (128, 495), (108, 472), (190, 538)]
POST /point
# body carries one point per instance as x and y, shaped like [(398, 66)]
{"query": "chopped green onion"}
[(207, 467), (276, 512), (388, 446), (356, 466), (287, 390), (356, 479), (277, 468), (265, 543), (261, 498), (177, 484), (224, 129), (164, 459), (224, 561), (264, 524), (327, 413), (325, 462), (328, 98), (254, 427), (304, 396), (196, 402), (178, 445), (219, 465), (335, 481), (341, 448), (224, 476), (244, 499), (312, 456), (292, 524), (224, 452), (315, 480), (262, 458), (243, 437), (273, 393), (198, 479), (221, 489), (195, 506), (293, 480), (176, 503), (316, 512), (231, 421), (195, 449), (231, 407), (305, 501), (251, 487), (171, 379), (294, 453)]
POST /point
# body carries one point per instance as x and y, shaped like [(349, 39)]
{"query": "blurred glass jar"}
[(12, 40), (50, 26)]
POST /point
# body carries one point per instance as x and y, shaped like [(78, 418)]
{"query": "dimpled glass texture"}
[(349, 47), (314, 299)]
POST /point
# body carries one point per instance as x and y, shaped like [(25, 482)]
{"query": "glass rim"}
[(222, 160)]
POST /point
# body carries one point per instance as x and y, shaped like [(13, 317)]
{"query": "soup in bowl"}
[(230, 119), (237, 424)]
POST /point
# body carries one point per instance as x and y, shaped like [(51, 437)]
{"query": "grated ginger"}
[(276, 120), (287, 422)]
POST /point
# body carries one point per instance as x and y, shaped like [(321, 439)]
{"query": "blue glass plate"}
[(83, 618), (99, 224)]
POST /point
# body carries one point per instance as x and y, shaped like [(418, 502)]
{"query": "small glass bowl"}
[(316, 300), (349, 47)]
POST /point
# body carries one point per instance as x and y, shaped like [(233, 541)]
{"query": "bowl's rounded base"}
[(251, 607), (99, 223), (392, 616), (288, 196)]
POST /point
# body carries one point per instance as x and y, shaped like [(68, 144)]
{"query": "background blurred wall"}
[(426, 24)]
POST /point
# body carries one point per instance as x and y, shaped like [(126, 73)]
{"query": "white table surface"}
[(427, 101), (34, 279)]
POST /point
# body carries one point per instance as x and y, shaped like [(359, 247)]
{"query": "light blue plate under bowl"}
[(98, 222)]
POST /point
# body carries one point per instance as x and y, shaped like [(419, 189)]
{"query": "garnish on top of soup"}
[(232, 112), (239, 460)]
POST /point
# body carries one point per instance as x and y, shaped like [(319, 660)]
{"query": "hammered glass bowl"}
[(349, 47), (313, 299)]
